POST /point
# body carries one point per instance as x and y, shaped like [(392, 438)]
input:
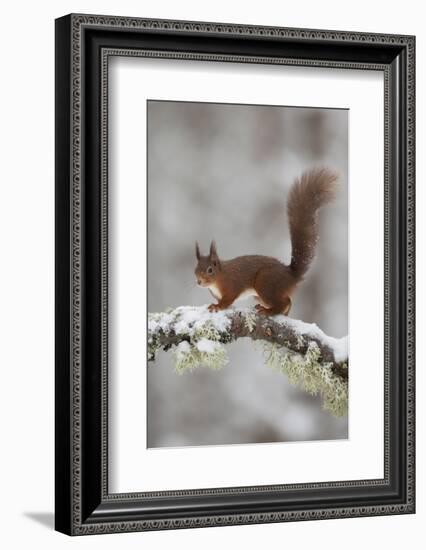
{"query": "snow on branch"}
[(316, 362)]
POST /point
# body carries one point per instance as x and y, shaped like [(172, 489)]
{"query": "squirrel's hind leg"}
[(272, 288), (285, 311), (280, 308), (288, 307)]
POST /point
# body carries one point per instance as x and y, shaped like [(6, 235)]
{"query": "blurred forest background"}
[(223, 171)]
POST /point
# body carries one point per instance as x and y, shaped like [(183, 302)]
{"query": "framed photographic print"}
[(234, 274)]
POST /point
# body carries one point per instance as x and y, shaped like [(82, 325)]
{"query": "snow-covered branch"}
[(196, 324), (310, 358)]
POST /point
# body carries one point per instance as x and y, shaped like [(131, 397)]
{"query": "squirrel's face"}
[(207, 266), (205, 272)]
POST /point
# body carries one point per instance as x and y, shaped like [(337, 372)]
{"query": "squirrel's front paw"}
[(214, 307)]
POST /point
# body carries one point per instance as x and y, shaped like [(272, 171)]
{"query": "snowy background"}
[(223, 171)]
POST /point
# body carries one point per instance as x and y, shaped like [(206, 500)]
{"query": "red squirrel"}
[(270, 281)]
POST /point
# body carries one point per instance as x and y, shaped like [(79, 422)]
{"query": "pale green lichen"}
[(153, 347), (191, 324), (212, 354), (188, 357), (208, 331), (300, 341), (314, 377), (250, 321)]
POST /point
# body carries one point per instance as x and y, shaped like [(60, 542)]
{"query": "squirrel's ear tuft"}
[(197, 251), (213, 250)]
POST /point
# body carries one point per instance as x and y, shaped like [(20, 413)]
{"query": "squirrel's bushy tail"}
[(308, 193)]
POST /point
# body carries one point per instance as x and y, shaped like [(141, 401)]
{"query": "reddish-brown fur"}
[(272, 281)]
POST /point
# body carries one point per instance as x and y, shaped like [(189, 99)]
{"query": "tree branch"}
[(316, 362), (191, 324)]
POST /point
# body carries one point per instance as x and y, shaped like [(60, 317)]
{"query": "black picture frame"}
[(83, 504)]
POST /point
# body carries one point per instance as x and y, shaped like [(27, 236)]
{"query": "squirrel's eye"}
[(209, 270)]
